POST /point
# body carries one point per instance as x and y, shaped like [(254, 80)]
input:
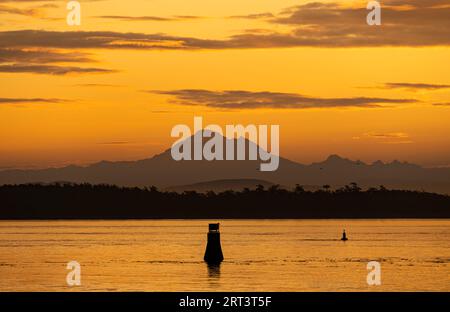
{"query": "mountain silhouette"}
[(164, 172)]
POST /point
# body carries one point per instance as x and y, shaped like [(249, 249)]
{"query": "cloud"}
[(188, 17), (442, 104), (36, 61), (150, 18), (28, 100), (398, 142), (18, 11), (49, 69), (332, 24), (414, 86), (327, 25), (34, 11), (386, 138), (96, 39), (255, 16), (390, 135), (411, 23), (41, 56), (237, 99), (416, 3)]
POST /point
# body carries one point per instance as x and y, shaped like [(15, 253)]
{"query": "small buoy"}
[(213, 253), (344, 236)]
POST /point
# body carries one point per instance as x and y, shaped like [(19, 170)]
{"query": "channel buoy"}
[(344, 236), (213, 253)]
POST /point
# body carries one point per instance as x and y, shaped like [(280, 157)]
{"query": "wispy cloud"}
[(150, 18), (411, 23), (37, 61), (18, 11), (324, 24), (49, 69), (423, 23), (29, 100), (31, 11), (238, 99), (266, 15), (41, 56), (95, 39), (386, 138), (330, 25), (414, 86), (390, 135)]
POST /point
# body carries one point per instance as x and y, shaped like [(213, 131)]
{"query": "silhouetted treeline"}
[(86, 201)]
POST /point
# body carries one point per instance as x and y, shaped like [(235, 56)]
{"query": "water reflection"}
[(214, 271), (213, 275), (165, 255)]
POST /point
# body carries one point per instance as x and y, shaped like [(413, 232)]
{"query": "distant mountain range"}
[(165, 173)]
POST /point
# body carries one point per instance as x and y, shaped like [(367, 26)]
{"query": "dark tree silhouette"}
[(299, 189), (86, 201)]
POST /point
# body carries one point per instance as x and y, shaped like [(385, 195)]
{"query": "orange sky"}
[(54, 111)]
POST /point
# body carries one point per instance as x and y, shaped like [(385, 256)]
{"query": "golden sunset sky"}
[(113, 87)]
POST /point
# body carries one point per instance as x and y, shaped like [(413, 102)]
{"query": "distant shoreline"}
[(109, 202), (208, 219)]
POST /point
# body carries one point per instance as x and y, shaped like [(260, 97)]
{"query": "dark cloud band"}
[(28, 100), (37, 62), (49, 69), (311, 25), (238, 99), (415, 86)]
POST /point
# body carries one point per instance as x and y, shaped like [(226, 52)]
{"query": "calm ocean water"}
[(260, 255)]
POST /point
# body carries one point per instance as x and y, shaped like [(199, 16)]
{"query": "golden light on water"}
[(260, 255)]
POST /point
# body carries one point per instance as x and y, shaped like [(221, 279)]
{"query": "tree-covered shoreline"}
[(87, 201)]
